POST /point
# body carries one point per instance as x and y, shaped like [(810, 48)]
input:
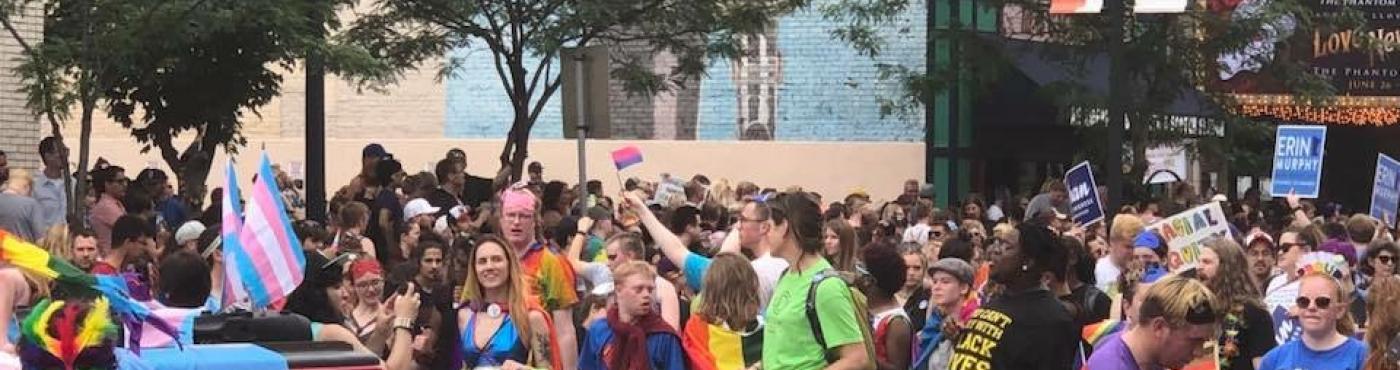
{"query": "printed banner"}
[(1075, 6), (1298, 160), (1385, 195), (1083, 195), (1159, 6), (1185, 231)]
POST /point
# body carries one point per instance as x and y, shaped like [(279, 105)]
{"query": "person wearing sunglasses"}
[(1292, 245), (1320, 305), (110, 182), (1379, 262)]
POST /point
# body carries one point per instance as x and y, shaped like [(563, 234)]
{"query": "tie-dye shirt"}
[(550, 278)]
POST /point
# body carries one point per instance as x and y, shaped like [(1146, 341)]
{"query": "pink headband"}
[(518, 200)]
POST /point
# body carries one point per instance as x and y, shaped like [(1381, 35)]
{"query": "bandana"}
[(518, 199), (364, 266)]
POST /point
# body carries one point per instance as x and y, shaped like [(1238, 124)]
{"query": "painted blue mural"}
[(796, 84)]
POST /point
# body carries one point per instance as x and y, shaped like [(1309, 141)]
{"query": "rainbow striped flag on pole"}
[(267, 256)]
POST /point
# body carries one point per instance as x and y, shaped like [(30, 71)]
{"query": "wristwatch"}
[(403, 323)]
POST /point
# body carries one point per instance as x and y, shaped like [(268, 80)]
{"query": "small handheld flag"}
[(626, 157)]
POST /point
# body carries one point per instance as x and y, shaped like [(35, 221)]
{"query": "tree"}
[(1163, 53), (408, 32), (205, 65), (166, 68), (71, 67)]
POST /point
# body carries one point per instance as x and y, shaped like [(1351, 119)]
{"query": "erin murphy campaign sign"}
[(1298, 160), (1083, 195), (1385, 193)]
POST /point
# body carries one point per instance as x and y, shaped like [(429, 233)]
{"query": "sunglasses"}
[(1386, 259), (1322, 303)]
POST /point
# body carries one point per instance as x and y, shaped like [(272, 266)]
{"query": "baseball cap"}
[(188, 232), (1148, 239), (1259, 237), (599, 213), (954, 266), (418, 207), (374, 150)]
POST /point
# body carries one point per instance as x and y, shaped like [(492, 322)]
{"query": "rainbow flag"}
[(549, 278), (268, 256), (626, 157), (231, 224), (36, 261), (1095, 333), (714, 347)]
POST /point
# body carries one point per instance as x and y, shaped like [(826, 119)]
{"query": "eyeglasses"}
[(518, 217), (1321, 302), (367, 284), (1386, 259)]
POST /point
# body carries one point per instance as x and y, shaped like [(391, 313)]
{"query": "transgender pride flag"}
[(232, 224), (269, 257)]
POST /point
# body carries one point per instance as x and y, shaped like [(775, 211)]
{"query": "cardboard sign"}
[(1385, 192), (1298, 154), (1083, 195), (669, 188), (1185, 231)]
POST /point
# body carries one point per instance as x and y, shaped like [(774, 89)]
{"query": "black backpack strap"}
[(813, 320)]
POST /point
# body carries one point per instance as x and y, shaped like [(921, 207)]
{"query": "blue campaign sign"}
[(1385, 193), (1083, 195), (1298, 160)]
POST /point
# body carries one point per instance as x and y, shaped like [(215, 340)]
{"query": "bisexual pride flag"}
[(626, 157)]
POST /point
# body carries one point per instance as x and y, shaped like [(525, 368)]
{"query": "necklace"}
[(494, 311)]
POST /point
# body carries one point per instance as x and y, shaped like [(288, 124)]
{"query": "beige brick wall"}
[(19, 128)]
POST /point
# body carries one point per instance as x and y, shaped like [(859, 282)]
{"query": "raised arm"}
[(670, 245), (405, 312), (575, 251)]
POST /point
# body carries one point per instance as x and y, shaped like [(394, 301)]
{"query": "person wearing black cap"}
[(1025, 327)]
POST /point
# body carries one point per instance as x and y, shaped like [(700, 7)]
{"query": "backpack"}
[(858, 300)]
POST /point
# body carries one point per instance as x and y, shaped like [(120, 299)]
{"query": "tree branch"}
[(19, 39), (543, 68)]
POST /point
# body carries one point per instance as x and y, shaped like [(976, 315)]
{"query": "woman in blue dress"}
[(496, 326)]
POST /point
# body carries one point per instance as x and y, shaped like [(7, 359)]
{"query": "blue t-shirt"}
[(664, 348), (694, 269), (1351, 355)]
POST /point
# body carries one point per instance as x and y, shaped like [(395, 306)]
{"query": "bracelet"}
[(581, 233), (404, 322), (404, 327)]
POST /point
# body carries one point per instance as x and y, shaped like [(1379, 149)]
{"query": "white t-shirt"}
[(917, 233), (769, 270), (1106, 275), (1280, 293)]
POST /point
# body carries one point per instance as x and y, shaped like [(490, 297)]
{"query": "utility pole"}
[(316, 129), (1117, 103)]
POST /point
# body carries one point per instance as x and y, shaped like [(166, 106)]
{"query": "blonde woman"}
[(1321, 305), (57, 242)]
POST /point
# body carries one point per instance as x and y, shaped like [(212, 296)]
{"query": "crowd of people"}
[(446, 270)]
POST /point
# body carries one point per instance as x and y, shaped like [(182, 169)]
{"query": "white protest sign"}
[(1185, 231), (670, 188)]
